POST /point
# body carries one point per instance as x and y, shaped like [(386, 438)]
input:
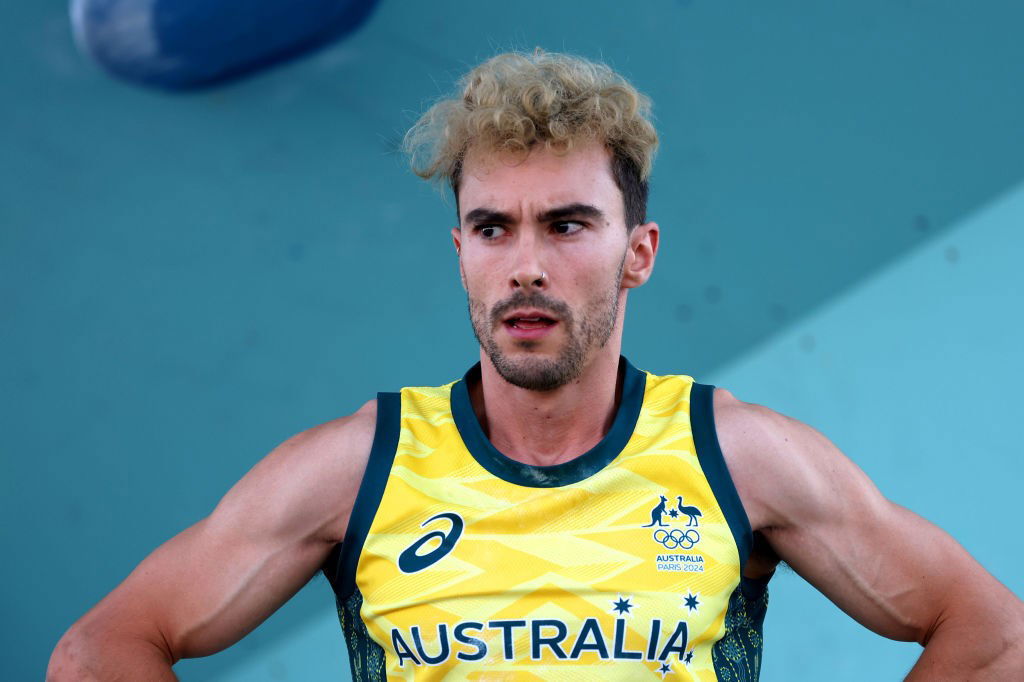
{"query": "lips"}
[(529, 319), (531, 323)]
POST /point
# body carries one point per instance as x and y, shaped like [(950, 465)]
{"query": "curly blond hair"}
[(515, 101)]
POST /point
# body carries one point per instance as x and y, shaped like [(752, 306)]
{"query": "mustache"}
[(535, 300)]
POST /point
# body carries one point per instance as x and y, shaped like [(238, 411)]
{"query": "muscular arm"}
[(213, 583), (888, 568)]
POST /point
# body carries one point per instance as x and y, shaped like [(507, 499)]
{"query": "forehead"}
[(509, 182)]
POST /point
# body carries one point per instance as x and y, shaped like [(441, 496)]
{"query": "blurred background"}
[(189, 278)]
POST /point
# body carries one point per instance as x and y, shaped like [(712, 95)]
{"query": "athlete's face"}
[(546, 260)]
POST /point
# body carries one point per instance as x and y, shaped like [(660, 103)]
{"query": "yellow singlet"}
[(622, 564)]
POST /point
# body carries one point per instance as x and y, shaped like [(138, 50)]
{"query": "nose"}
[(529, 278), (527, 272)]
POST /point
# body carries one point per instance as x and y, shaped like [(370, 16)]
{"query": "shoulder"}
[(338, 445), (306, 485), (345, 435), (782, 468), (744, 426)]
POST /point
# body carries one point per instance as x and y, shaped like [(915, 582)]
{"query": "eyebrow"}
[(571, 211), (487, 215), (576, 210)]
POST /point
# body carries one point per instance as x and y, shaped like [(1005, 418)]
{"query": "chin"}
[(537, 372)]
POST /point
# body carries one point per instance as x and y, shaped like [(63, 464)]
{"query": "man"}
[(556, 512)]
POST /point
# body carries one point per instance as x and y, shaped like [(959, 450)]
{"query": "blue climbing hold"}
[(189, 44)]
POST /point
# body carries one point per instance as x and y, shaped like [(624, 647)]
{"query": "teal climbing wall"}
[(186, 281)]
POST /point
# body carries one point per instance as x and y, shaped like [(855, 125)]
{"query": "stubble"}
[(590, 329)]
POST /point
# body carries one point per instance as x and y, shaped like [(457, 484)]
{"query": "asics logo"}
[(410, 561)]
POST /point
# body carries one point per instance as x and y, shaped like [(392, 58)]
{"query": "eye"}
[(489, 231), (568, 227)]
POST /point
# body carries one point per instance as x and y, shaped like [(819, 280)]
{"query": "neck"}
[(549, 427)]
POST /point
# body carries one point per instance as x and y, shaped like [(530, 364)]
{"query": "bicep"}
[(214, 582), (887, 567), (203, 590)]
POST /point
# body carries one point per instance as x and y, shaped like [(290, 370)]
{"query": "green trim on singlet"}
[(709, 453), (737, 656), (365, 656), (575, 470), (340, 567)]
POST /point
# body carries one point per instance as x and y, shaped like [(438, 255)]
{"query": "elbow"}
[(91, 652), (1007, 655), (70, 660), (1013, 636), (1006, 627), (988, 638)]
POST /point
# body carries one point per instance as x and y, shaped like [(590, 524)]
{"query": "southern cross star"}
[(621, 606)]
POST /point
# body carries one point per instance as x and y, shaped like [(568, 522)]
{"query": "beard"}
[(591, 329)]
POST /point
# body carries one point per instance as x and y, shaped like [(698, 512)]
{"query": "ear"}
[(457, 241), (643, 247)]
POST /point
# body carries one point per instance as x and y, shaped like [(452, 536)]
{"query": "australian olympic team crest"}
[(672, 536)]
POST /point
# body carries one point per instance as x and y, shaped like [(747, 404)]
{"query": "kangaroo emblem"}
[(656, 513), (691, 512)]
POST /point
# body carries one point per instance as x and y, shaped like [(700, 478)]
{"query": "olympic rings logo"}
[(676, 538)]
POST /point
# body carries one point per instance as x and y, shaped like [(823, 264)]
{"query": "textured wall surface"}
[(186, 281)]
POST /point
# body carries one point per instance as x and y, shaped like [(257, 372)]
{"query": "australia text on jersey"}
[(474, 641)]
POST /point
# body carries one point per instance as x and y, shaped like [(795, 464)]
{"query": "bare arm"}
[(213, 583), (888, 568)]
